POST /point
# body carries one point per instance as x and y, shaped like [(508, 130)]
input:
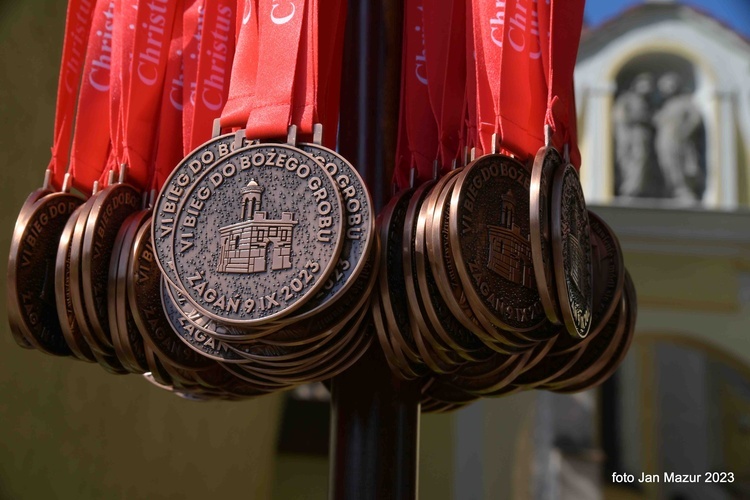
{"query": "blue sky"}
[(735, 13)]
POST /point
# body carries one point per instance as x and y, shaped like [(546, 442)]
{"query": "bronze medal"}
[(440, 360), (571, 249), (173, 191), (143, 289), (609, 279), (31, 273), (359, 230), (546, 163), (258, 235), (126, 337), (489, 231), (75, 262), (63, 300), (14, 312), (441, 259), (109, 209), (392, 285), (447, 277), (451, 333)]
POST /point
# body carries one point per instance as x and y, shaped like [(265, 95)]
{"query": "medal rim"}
[(563, 292), (544, 274)]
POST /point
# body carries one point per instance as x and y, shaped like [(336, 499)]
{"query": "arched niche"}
[(659, 124), (712, 61)]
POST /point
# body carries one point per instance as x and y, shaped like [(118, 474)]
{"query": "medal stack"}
[(197, 226), (511, 283)]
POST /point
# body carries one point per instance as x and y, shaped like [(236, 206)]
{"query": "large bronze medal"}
[(14, 313), (489, 232), (546, 163), (31, 273), (258, 235), (173, 190), (572, 252)]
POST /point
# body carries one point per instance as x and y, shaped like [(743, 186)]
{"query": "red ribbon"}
[(77, 28), (421, 126), (90, 147), (244, 68), (560, 47), (279, 39), (169, 148), (151, 35), (192, 28), (214, 67), (445, 44)]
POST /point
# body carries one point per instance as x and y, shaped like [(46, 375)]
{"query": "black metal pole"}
[(374, 417)]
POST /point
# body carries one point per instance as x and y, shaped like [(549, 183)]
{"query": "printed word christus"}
[(522, 28), (212, 93), (101, 65), (78, 35), (149, 59)]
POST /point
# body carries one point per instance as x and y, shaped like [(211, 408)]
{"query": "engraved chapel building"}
[(245, 245)]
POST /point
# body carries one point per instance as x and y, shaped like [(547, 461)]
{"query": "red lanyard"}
[(192, 28), (421, 127), (169, 148), (560, 47), (151, 36), (90, 147), (214, 66), (77, 28), (446, 72), (279, 39)]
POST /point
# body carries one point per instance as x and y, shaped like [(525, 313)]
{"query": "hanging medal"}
[(223, 283), (31, 263), (490, 241)]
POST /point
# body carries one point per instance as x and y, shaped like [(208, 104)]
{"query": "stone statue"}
[(634, 134), (680, 141)]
